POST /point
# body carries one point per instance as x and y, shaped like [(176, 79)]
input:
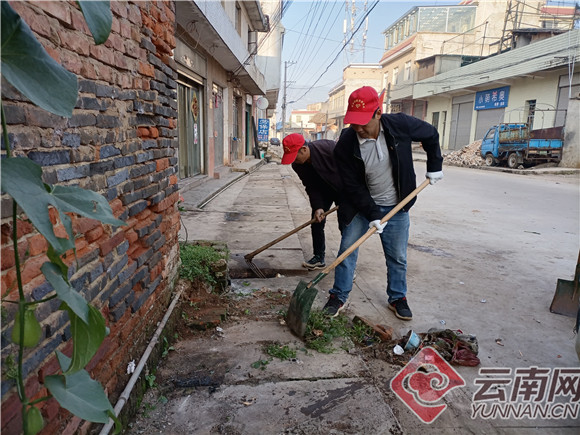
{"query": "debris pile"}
[(469, 155)]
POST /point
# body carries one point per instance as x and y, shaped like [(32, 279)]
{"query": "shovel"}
[(565, 300), (251, 255), (303, 297)]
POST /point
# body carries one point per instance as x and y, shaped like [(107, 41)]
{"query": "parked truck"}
[(515, 144)]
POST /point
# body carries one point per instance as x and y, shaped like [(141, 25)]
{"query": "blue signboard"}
[(263, 129), (492, 98)]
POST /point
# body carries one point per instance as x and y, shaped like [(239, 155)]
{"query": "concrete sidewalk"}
[(347, 392)]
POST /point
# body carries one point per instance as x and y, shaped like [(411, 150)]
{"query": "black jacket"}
[(320, 177), (400, 130)]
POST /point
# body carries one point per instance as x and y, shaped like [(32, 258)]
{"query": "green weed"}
[(196, 262), (260, 364), (278, 351)]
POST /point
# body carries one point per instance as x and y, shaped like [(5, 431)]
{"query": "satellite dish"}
[(262, 103)]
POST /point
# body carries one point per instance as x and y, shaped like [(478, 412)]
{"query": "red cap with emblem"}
[(362, 104), (292, 143)]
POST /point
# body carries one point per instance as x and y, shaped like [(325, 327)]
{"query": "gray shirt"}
[(378, 170)]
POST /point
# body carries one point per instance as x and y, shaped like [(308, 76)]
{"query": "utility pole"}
[(286, 63)]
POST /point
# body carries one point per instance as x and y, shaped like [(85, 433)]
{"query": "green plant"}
[(278, 351), (166, 347), (260, 364), (196, 262), (150, 379), (321, 331), (28, 67)]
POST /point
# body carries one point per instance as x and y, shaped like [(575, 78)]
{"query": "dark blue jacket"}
[(400, 131)]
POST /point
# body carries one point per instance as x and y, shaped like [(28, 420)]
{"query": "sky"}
[(314, 38)]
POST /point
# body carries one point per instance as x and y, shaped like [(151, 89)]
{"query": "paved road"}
[(486, 250)]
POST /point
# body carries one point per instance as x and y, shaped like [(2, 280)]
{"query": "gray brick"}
[(143, 108), (41, 118), (73, 173), (173, 161), (127, 187), (48, 176), (154, 60), (95, 287), (162, 122), (155, 258), (149, 143), (118, 178), (172, 84), (128, 272), (157, 86), (141, 183), (116, 267), (130, 197), (33, 361), (127, 95), (137, 208), (142, 259), (117, 312), (151, 190), (79, 283), (87, 86), (138, 303), (89, 103), (143, 231), (167, 143), (159, 244), (72, 140), (157, 221), (148, 45), (82, 120), (14, 114), (130, 147), (141, 273), (141, 170), (110, 194), (121, 162), (147, 95), (156, 199), (123, 248), (108, 151), (160, 76), (48, 158), (106, 91), (108, 121), (141, 119), (149, 241), (120, 294), (102, 167), (167, 132), (96, 271), (111, 137), (41, 291)]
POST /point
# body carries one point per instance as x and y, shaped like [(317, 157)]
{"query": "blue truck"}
[(515, 144)]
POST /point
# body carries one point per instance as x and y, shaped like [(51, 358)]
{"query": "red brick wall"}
[(121, 142)]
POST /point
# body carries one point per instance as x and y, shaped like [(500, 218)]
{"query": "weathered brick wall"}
[(121, 142)]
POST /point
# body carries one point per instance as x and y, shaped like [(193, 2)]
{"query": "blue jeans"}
[(394, 238)]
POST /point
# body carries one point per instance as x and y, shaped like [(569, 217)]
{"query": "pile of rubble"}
[(467, 156)]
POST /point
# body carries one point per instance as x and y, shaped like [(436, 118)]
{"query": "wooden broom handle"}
[(295, 230), (371, 231)]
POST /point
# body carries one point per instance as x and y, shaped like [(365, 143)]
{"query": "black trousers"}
[(317, 231)]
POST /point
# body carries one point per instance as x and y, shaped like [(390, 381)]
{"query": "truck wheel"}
[(489, 160), (512, 160)]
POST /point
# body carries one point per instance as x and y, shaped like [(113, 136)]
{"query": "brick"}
[(73, 173), (41, 118), (107, 121), (121, 162), (111, 243), (118, 178), (37, 245), (82, 120), (138, 207), (71, 140), (108, 151), (56, 10), (31, 268), (48, 158), (14, 114), (116, 267), (94, 234)]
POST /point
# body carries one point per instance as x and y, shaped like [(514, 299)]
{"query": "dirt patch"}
[(202, 310)]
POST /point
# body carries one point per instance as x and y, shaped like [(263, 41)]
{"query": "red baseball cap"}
[(292, 143), (362, 104)]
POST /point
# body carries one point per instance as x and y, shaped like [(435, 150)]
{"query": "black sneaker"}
[(333, 306), (315, 262), (401, 309)]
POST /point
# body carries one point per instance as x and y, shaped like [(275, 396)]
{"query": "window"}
[(238, 19), (396, 76), (386, 80), (407, 70), (435, 120), (298, 118), (530, 113)]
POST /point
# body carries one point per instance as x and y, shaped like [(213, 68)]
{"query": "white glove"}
[(434, 177), (378, 225)]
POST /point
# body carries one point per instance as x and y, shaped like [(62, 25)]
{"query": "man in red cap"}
[(314, 164), (374, 158)]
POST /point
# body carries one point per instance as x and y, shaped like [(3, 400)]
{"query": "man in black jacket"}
[(374, 158), (314, 164)]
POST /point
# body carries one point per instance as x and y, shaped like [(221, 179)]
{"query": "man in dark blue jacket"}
[(314, 164), (374, 158)]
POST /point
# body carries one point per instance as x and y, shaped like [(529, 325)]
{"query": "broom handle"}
[(295, 230), (371, 231)]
